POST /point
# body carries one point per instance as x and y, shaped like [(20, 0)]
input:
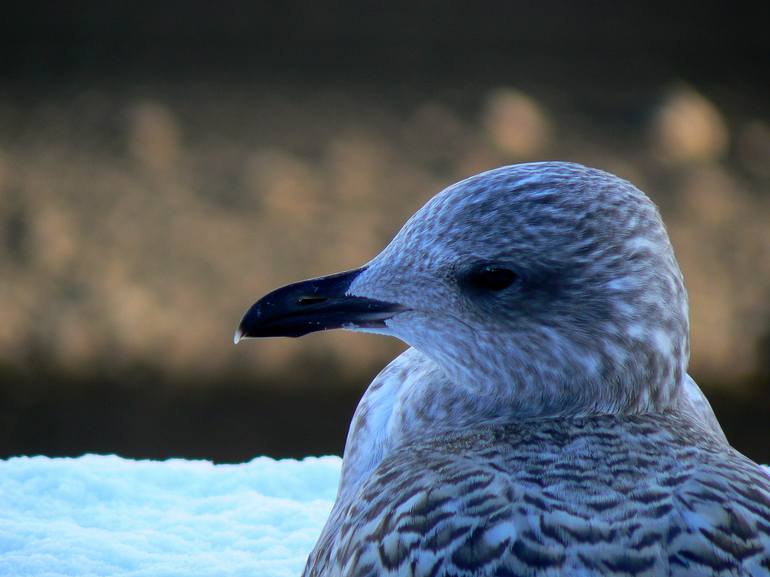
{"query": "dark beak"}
[(313, 305)]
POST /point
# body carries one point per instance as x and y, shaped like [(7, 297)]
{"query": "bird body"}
[(652, 494), (604, 495), (543, 423)]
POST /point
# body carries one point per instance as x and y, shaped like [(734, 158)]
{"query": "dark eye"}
[(491, 278)]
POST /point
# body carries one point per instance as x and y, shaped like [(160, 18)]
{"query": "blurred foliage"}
[(137, 223), (162, 165)]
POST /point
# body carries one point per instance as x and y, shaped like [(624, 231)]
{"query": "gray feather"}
[(548, 428)]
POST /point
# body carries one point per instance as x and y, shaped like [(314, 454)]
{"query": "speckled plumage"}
[(605, 495), (546, 428)]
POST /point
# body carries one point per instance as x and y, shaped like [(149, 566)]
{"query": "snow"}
[(108, 516)]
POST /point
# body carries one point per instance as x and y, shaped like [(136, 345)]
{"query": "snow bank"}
[(107, 516)]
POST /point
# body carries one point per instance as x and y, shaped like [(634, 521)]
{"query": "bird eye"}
[(491, 278)]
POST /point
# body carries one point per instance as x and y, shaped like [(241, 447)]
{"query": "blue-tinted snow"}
[(107, 516)]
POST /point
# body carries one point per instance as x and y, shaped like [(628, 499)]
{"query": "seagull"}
[(542, 422)]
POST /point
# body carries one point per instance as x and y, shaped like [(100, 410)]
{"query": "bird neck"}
[(541, 374), (375, 427), (413, 399)]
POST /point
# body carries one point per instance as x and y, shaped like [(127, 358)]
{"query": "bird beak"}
[(314, 305)]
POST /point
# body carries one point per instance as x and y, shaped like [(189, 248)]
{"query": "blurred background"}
[(162, 165)]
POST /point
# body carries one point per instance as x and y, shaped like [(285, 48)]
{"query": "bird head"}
[(549, 285)]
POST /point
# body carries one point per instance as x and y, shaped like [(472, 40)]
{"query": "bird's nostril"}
[(310, 300)]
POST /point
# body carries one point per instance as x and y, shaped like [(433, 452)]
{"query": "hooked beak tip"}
[(237, 336)]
